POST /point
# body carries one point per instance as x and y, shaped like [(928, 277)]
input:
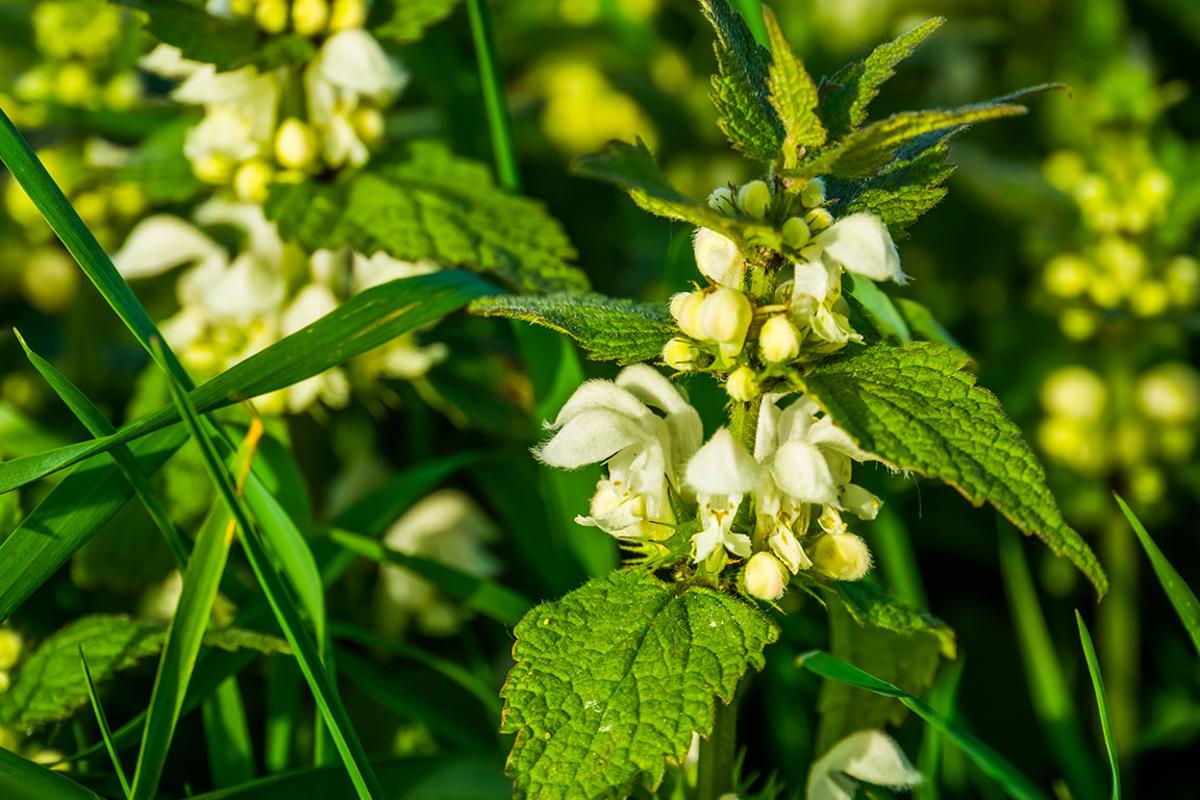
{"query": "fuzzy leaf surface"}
[(611, 680), (49, 685), (739, 89), (844, 106), (917, 409), (404, 21), (428, 204), (632, 167), (609, 329), (793, 94)]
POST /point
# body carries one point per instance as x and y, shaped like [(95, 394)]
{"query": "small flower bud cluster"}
[(310, 18)]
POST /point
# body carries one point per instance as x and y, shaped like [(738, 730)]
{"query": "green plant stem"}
[(493, 94), (714, 768), (1118, 630)]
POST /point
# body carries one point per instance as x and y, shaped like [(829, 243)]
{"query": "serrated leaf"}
[(844, 106), (739, 89), (227, 43), (609, 329), (870, 607), (49, 686), (611, 681), (403, 21), (917, 409), (633, 168), (427, 203), (793, 94)]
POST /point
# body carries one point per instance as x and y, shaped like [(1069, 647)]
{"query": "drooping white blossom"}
[(870, 757), (721, 473)]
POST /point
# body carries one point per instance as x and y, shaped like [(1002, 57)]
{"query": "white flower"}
[(606, 421), (811, 458), (168, 61), (379, 268), (860, 243), (718, 258), (350, 68), (240, 113), (869, 756), (721, 473)]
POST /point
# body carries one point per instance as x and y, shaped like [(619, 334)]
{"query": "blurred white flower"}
[(869, 756)]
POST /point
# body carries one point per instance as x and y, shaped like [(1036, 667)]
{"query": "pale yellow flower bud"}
[(754, 198), (296, 144), (813, 193), (725, 316), (241, 8), (685, 308), (5, 681), (49, 280), (369, 124), (741, 385), (796, 233), (91, 208), (213, 168), (1067, 275), (721, 199), (1149, 299), (123, 92), (347, 14), (1074, 392), (1169, 393), (818, 219), (272, 15), (252, 180), (11, 645), (778, 341), (73, 85), (53, 759), (680, 354), (841, 556), (1064, 170), (309, 16), (127, 200), (764, 577), (1183, 280), (1078, 323)]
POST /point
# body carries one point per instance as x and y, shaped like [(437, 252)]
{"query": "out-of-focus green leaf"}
[(609, 329), (159, 167), (923, 324), (227, 736), (405, 20), (24, 780)]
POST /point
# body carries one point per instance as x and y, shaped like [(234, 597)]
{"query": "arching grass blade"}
[(24, 780), (102, 723), (1093, 663)]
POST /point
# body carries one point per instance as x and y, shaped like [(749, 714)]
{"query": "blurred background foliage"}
[(1064, 261)]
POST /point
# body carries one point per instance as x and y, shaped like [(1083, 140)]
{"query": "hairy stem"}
[(714, 769)]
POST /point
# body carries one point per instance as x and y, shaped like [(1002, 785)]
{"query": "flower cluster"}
[(676, 498)]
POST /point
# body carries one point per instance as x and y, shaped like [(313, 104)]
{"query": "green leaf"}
[(611, 681), (851, 90), (923, 324), (1093, 663), (427, 203), (365, 321), (159, 167), (915, 408), (609, 329), (1183, 600), (227, 735), (102, 723), (739, 89), (49, 687), (1011, 780), (793, 95), (227, 43), (871, 608), (24, 780), (632, 167), (883, 314), (403, 21)]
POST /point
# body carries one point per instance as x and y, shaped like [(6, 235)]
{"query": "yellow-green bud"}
[(1064, 170), (213, 168), (127, 200), (241, 8), (725, 315), (754, 198), (91, 208), (818, 219), (347, 14), (369, 124), (295, 144), (252, 180), (49, 280), (73, 86), (35, 85), (5, 682), (123, 92), (1149, 299), (796, 233), (680, 354), (1067, 275), (1183, 280), (778, 341), (309, 17), (272, 15), (1074, 392), (742, 385), (721, 199), (11, 646), (1170, 393), (1078, 323), (813, 193), (764, 577), (841, 556)]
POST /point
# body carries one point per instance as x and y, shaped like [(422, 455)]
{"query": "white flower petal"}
[(705, 542), (718, 258), (602, 394), (826, 434), (870, 756), (722, 467), (353, 62), (168, 61), (162, 242), (800, 470), (379, 268), (593, 436), (859, 502), (814, 279), (766, 436), (686, 431), (310, 304), (862, 245)]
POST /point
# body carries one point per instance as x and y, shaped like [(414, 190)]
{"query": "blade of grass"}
[(487, 597), (941, 699), (1093, 664), (24, 780), (227, 734), (201, 580), (345, 738), (102, 722), (98, 425), (1012, 781), (283, 703), (1182, 598), (1052, 701), (493, 94)]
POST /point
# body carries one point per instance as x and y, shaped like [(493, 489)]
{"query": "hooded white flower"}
[(870, 757), (718, 258), (860, 243), (612, 422), (240, 113), (721, 473), (350, 68)]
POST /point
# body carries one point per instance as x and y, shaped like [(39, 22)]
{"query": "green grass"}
[(1093, 664), (102, 722)]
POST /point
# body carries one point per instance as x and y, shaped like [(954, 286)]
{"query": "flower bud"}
[(123, 92), (813, 193), (213, 168), (721, 199), (272, 15), (1149, 298), (754, 198), (778, 341), (11, 645), (1183, 280), (1067, 275), (347, 14), (309, 16), (369, 124), (818, 219), (741, 385), (859, 502), (680, 354), (1074, 392), (685, 308), (718, 258), (796, 233), (295, 144), (73, 86), (5, 682), (49, 279), (841, 556), (127, 200), (1078, 323), (1169, 393), (765, 577), (725, 315), (252, 180), (241, 8)]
